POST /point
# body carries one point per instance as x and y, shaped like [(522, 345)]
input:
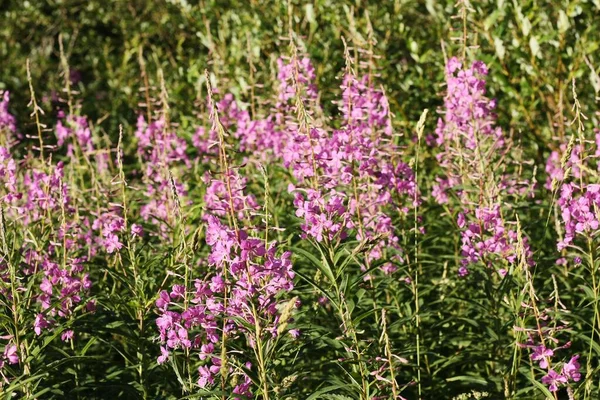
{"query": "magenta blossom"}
[(554, 380)]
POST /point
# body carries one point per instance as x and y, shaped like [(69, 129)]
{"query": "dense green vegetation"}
[(432, 260)]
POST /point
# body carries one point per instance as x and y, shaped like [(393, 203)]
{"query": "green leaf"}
[(318, 394), (540, 386), (467, 378), (323, 266)]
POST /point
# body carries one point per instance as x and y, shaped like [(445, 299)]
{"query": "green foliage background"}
[(534, 49)]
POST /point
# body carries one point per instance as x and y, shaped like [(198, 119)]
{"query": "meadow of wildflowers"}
[(300, 200)]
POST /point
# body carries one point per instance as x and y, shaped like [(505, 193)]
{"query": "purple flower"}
[(67, 335), (163, 300), (554, 380), (488, 237), (112, 244), (257, 276), (571, 369), (578, 211), (206, 376), (177, 292), (206, 350), (40, 323), (542, 354), (10, 354), (461, 220), (137, 230), (7, 120)]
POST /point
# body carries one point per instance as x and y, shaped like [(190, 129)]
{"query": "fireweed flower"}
[(274, 136), (578, 211), (468, 113), (9, 356), (578, 203), (7, 120), (62, 288), (206, 140), (571, 160), (553, 379), (571, 369), (246, 280), (74, 131), (40, 198), (369, 161), (109, 225), (217, 197), (297, 92), (544, 355), (161, 151), (77, 127), (45, 192), (487, 239), (67, 335), (137, 230), (8, 178), (260, 139), (324, 217), (556, 172), (297, 100), (348, 180), (470, 144), (8, 123), (579, 193)]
